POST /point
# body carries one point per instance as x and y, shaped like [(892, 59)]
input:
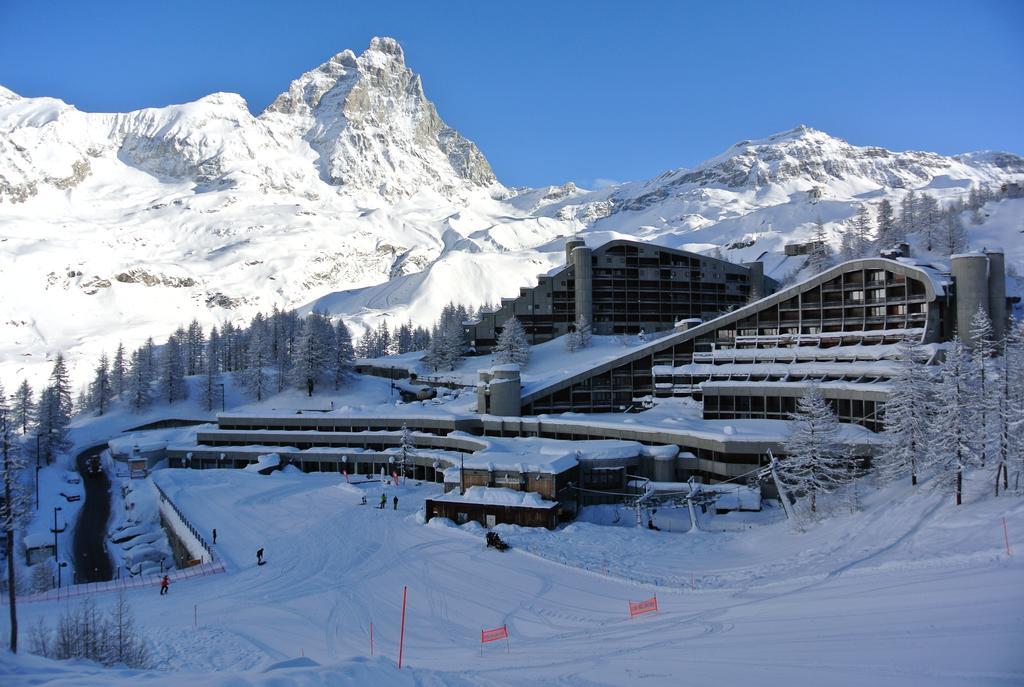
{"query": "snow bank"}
[(499, 496), (267, 460)]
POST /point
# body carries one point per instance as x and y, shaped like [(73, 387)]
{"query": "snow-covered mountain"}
[(350, 192)]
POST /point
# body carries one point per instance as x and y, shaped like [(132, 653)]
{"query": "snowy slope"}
[(349, 192), (922, 592)]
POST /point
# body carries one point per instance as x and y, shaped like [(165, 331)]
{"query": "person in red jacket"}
[(164, 585)]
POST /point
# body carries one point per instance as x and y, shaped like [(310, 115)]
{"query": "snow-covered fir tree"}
[(14, 505), (512, 345), (447, 342), (888, 235), (816, 460), (983, 349), (1009, 409), (140, 384), (344, 357), (53, 414), (312, 358), (119, 370), (101, 391), (953, 428), (403, 339), (908, 220), (211, 383), (820, 255), (172, 372), (929, 216), (194, 344), (23, 407), (254, 377), (907, 418), (579, 335), (953, 234)]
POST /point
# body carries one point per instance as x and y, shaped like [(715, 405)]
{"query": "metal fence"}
[(137, 581)]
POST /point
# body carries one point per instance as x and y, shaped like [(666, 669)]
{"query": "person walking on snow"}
[(383, 501), (214, 535), (259, 556), (164, 585), (396, 503)]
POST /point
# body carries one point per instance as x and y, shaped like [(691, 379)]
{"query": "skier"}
[(259, 556), (383, 501), (364, 500), (214, 535), (396, 503), (652, 526), (164, 585)]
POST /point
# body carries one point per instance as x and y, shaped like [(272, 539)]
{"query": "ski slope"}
[(906, 593)]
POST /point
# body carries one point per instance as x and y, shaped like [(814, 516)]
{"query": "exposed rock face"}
[(813, 159), (374, 129), (359, 123)]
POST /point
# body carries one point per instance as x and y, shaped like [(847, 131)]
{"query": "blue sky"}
[(582, 91)]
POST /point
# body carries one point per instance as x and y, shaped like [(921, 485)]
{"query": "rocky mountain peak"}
[(374, 129)]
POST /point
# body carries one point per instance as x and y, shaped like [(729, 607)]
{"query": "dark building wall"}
[(861, 303), (633, 286)]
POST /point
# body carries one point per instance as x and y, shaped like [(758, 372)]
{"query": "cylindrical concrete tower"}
[(997, 292), (583, 267), (505, 391), (756, 279), (571, 245), (970, 272)]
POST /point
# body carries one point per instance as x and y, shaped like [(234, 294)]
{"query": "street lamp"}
[(56, 531), (37, 481)]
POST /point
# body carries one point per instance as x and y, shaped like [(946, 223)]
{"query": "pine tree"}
[(983, 348), (149, 359), (24, 409), (101, 391), (193, 345), (404, 339), (953, 426), (887, 233), (954, 236), (13, 507), (816, 461), (53, 414), (1012, 409), (909, 223), (572, 341), (1009, 407), (139, 382), (119, 371), (820, 255), (254, 377), (862, 228), (929, 219), (420, 339), (512, 346), (313, 352), (907, 417), (344, 356), (384, 343), (212, 386), (583, 329), (446, 346), (172, 372)]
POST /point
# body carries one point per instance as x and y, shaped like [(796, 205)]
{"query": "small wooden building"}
[(491, 506)]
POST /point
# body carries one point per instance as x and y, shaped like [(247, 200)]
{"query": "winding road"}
[(92, 564)]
